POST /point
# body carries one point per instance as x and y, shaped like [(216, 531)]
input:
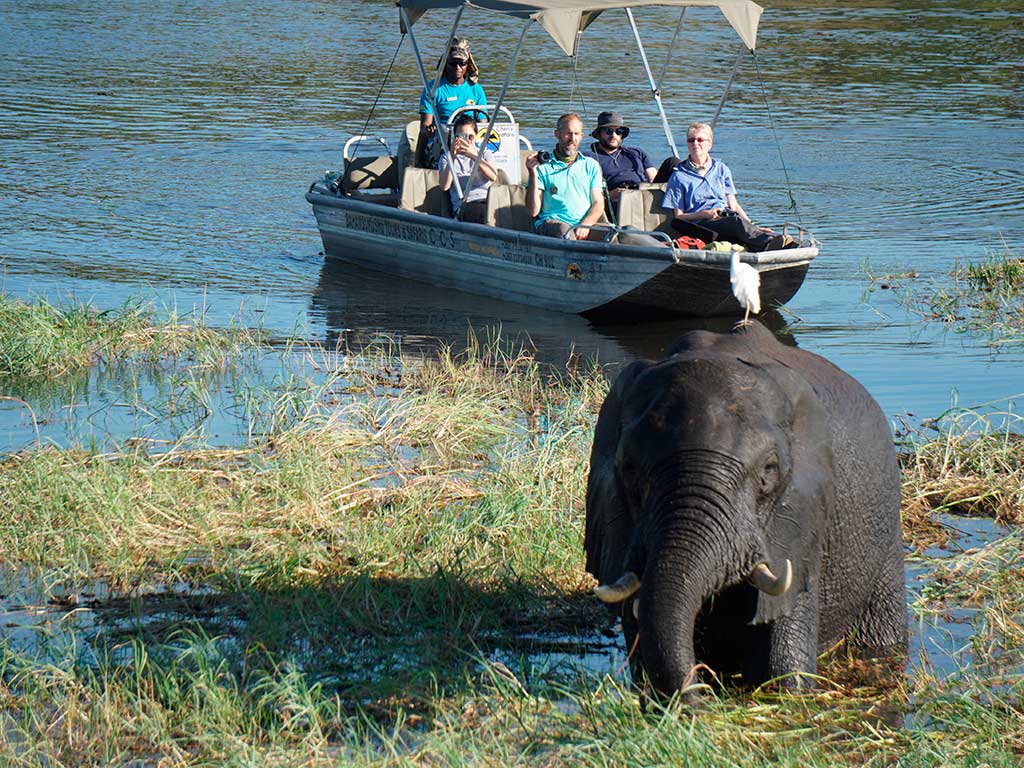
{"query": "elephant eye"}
[(770, 476)]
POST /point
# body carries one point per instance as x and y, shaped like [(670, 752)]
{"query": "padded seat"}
[(641, 209), (421, 191), (373, 172), (506, 207)]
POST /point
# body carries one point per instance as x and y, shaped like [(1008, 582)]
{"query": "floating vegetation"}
[(383, 574), (984, 298), (43, 342), (968, 462)]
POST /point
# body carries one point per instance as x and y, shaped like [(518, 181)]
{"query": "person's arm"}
[(487, 168), (709, 214), (427, 125), (650, 173), (533, 191), (593, 215), (734, 205)]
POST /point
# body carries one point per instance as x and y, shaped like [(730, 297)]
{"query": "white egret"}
[(745, 282)]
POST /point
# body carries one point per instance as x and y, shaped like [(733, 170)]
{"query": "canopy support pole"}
[(654, 86), (437, 81), (728, 85), (497, 107), (671, 47)]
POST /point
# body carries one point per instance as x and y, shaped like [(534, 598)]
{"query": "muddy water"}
[(161, 151)]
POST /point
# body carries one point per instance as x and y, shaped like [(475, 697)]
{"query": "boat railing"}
[(804, 235), (357, 140)]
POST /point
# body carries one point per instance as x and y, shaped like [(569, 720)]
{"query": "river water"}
[(161, 151)]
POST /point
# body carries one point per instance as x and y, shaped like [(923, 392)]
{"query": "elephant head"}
[(711, 479)]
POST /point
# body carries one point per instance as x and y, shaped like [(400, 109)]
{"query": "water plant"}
[(985, 298), (40, 341)]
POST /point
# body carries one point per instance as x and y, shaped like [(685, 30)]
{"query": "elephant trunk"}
[(675, 585)]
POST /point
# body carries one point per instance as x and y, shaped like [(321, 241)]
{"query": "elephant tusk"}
[(627, 586), (636, 609), (766, 581)]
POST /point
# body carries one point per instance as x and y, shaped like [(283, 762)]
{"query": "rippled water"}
[(162, 150)]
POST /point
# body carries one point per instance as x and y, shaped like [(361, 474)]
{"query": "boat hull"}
[(559, 275)]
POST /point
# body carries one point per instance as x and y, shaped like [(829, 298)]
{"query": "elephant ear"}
[(609, 521), (797, 525)]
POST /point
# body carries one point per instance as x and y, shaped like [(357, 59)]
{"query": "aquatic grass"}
[(43, 342), (968, 462), (339, 591), (190, 704), (984, 298)]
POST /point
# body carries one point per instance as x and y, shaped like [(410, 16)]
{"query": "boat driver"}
[(702, 197), (623, 167), (459, 87), (564, 194)]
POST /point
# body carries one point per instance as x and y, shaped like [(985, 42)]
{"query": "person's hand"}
[(467, 148), (532, 162), (712, 213), (430, 129), (582, 233), (767, 230)]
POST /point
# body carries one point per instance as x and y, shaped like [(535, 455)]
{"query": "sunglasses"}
[(697, 140), (617, 131), (458, 62)]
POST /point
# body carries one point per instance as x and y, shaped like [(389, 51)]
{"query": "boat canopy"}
[(565, 19)]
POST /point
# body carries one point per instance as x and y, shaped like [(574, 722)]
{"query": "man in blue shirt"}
[(459, 87), (564, 194), (623, 167), (701, 192)]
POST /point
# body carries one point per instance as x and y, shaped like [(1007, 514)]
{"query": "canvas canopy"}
[(564, 19)]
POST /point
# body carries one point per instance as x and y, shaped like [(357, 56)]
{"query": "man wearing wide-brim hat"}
[(623, 167)]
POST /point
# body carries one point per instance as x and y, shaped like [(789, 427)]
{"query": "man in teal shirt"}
[(565, 193), (459, 87)]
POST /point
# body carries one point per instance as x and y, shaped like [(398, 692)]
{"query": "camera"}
[(543, 156)]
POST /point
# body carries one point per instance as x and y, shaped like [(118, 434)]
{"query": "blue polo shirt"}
[(627, 165), (689, 191), (566, 189), (450, 97)]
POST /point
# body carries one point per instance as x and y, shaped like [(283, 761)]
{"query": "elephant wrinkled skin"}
[(743, 510)]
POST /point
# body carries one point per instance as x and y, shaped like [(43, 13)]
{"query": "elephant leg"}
[(883, 624), (793, 642)]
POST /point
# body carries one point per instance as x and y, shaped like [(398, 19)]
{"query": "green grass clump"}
[(42, 342), (973, 464)]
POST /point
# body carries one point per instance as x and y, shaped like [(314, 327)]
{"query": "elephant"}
[(743, 512)]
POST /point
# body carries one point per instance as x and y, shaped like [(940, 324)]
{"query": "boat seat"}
[(407, 141), (506, 207), (372, 172), (641, 209), (421, 191)]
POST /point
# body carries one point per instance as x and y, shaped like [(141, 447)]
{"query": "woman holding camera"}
[(472, 206)]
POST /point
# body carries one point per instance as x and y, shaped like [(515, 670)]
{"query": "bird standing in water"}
[(745, 282)]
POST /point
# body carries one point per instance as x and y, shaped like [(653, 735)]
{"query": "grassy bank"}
[(43, 342), (380, 575)]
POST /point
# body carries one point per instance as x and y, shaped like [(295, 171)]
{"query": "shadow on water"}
[(359, 306)]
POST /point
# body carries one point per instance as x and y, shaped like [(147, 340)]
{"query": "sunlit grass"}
[(984, 298), (43, 342), (340, 591)]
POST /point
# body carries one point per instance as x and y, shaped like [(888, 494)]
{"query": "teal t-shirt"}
[(450, 97), (567, 189)]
